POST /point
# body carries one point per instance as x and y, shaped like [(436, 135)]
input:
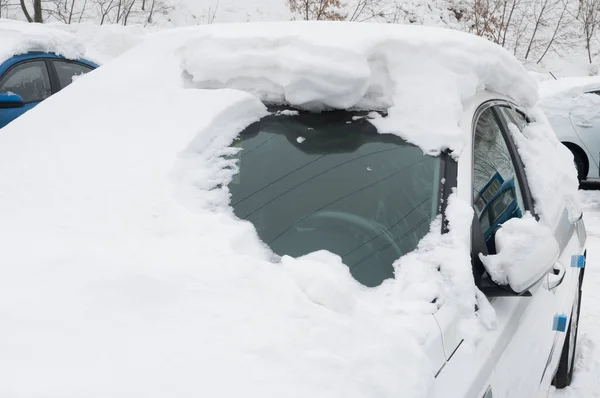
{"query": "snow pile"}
[(568, 86), (20, 38), (106, 42), (420, 75), (516, 236)]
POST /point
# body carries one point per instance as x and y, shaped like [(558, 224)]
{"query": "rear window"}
[(329, 181)]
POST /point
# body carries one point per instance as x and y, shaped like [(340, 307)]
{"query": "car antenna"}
[(552, 74)]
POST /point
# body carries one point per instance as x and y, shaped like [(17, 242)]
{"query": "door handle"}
[(586, 125), (556, 276)]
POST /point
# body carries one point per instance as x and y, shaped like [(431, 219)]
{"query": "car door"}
[(560, 286), (524, 340), (31, 80)]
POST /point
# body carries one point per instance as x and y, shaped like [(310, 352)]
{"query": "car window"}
[(496, 192), (30, 80), (67, 70), (330, 181)]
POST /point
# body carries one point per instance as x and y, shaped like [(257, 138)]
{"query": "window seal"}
[(516, 159), (449, 172)]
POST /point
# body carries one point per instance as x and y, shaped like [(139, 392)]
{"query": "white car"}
[(291, 210), (572, 105)]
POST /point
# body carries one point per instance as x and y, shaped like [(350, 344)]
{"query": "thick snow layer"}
[(516, 236), (20, 37), (568, 86), (105, 42), (420, 75)]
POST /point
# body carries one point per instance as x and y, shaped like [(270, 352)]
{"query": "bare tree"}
[(317, 10), (104, 8), (127, 7), (365, 10), (212, 13), (559, 27), (589, 16), (25, 12)]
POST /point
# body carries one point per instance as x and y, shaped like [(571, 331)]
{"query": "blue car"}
[(28, 79)]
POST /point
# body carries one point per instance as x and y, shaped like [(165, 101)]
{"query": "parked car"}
[(28, 79), (295, 210), (573, 107)]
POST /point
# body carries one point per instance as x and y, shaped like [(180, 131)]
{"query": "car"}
[(28, 79), (292, 209), (571, 105)]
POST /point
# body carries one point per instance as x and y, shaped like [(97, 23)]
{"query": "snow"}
[(20, 37), (96, 43), (128, 275), (420, 75), (552, 179), (516, 236), (105, 42), (569, 86)]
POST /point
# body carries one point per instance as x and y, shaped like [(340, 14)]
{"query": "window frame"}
[(478, 246), (26, 61), (54, 72)]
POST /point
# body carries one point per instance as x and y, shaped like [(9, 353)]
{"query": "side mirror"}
[(529, 264), (10, 100)]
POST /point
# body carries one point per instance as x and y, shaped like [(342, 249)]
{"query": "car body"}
[(569, 104), (299, 216), (51, 72)]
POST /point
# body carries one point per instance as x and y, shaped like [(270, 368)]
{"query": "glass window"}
[(329, 181), (30, 80), (67, 70), (496, 192)]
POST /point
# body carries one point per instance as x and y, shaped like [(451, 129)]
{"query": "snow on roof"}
[(21, 37), (124, 270), (105, 42)]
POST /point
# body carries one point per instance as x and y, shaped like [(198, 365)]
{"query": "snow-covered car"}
[(572, 105), (291, 209), (28, 79), (32, 66)]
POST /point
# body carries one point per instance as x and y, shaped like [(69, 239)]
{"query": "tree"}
[(318, 10), (365, 10), (589, 16)]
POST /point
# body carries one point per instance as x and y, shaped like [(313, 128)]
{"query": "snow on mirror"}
[(330, 181)]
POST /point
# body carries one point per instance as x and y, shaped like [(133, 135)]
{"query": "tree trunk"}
[(71, 11), (127, 13), (82, 11), (24, 8), (37, 11), (151, 12), (119, 11)]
